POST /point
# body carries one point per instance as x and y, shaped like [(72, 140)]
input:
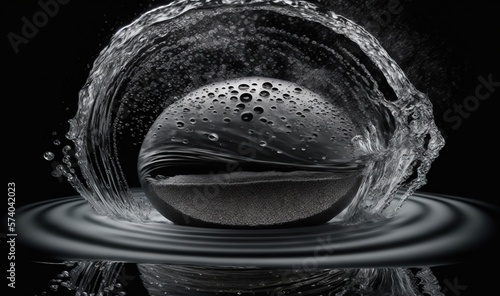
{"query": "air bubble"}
[(57, 142), (263, 143), (263, 119), (180, 124), (192, 120), (240, 106), (226, 119)]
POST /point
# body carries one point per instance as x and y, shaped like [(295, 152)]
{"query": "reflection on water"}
[(331, 258), (192, 280), (89, 278)]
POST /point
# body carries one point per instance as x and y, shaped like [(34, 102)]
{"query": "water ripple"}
[(429, 230)]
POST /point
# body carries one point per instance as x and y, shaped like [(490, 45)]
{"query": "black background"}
[(442, 46)]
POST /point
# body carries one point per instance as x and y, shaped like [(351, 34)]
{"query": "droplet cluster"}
[(275, 116)]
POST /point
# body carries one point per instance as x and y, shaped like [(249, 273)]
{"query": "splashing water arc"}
[(152, 66)]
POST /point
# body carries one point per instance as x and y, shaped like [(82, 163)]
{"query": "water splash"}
[(94, 277), (175, 49)]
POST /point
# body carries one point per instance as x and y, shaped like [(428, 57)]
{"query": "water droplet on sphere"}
[(267, 85), (243, 86), (264, 93), (258, 109), (213, 137), (246, 116), (246, 97)]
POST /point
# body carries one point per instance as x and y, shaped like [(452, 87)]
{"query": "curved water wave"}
[(175, 49)]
